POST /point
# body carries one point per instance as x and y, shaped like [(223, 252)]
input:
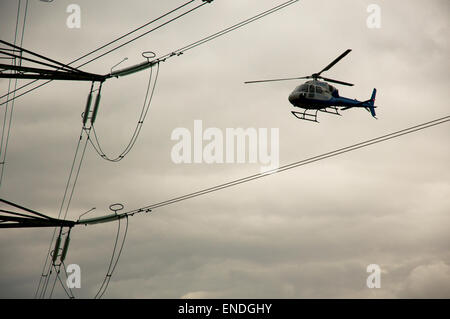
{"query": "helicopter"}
[(315, 95)]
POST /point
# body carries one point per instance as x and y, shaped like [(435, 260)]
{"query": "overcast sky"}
[(309, 232)]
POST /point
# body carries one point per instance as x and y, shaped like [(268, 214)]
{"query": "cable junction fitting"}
[(132, 69)]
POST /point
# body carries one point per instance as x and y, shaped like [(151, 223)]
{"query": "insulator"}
[(102, 219), (55, 252), (132, 69), (86, 110), (65, 247), (96, 104)]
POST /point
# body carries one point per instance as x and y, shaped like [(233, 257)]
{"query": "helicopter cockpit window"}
[(303, 88), (311, 88), (319, 89)]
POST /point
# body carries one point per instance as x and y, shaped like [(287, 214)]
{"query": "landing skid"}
[(306, 116), (312, 116)]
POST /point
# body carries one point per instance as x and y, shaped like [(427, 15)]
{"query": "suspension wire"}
[(46, 274), (110, 261), (145, 108), (105, 45), (188, 47), (69, 293), (110, 271), (133, 31), (77, 173), (97, 147), (43, 275), (3, 151), (49, 273), (117, 259), (87, 132), (145, 33), (226, 30), (71, 296), (9, 82), (57, 271), (22, 50), (46, 281), (310, 160)]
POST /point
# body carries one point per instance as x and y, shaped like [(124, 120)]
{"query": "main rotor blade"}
[(336, 81), (329, 66), (273, 80)]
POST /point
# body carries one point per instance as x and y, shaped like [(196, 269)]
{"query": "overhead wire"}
[(303, 162), (179, 51), (137, 130), (53, 64), (110, 271), (255, 176), (97, 145), (286, 167), (226, 30), (46, 275), (145, 108), (57, 272), (71, 295), (283, 168), (40, 292), (109, 43), (145, 33), (71, 184), (133, 31), (3, 151), (110, 261), (68, 291), (57, 268), (77, 173)]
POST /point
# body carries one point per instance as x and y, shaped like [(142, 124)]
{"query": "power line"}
[(133, 31), (46, 276), (145, 108), (310, 160), (9, 121), (69, 293), (283, 168), (71, 296), (110, 271), (145, 33), (41, 290), (181, 50), (109, 43), (226, 30), (55, 63)]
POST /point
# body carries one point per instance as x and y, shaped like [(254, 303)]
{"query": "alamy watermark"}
[(74, 19), (73, 276), (374, 19), (374, 279), (235, 145)]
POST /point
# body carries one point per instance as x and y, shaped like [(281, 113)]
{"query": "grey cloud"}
[(305, 233)]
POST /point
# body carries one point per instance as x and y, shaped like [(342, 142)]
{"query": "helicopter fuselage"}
[(320, 95)]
